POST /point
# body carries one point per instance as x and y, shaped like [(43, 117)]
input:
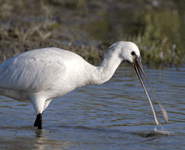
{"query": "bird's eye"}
[(133, 53)]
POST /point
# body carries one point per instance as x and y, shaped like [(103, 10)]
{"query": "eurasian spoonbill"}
[(42, 74)]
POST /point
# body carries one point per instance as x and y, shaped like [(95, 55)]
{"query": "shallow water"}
[(115, 115)]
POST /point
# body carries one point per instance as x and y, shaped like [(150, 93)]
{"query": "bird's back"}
[(41, 70)]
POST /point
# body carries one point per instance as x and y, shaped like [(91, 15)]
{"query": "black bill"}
[(139, 69)]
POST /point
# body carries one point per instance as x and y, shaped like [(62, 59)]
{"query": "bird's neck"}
[(108, 67)]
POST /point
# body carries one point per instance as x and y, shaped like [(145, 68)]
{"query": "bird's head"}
[(129, 51)]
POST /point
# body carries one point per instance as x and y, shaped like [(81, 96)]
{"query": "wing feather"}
[(33, 70)]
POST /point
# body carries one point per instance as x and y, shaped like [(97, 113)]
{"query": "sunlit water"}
[(115, 115)]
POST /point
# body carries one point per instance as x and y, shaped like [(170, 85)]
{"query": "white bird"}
[(42, 74)]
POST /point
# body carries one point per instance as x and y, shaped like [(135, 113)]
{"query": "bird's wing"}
[(31, 71)]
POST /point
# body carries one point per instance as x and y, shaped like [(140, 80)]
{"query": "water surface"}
[(115, 115)]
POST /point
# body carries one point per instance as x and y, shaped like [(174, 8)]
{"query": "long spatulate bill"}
[(153, 109), (139, 66)]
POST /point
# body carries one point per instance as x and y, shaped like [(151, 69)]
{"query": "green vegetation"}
[(89, 27), (161, 43), (156, 34)]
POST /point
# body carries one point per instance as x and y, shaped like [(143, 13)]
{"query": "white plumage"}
[(40, 75)]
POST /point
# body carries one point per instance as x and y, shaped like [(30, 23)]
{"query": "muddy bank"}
[(87, 28)]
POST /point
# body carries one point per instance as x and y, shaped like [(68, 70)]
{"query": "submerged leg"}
[(38, 121)]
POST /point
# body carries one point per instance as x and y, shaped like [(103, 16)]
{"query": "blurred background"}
[(89, 27)]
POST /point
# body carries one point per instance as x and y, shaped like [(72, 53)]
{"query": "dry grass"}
[(34, 24)]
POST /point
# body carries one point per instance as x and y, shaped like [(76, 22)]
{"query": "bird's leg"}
[(38, 121)]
